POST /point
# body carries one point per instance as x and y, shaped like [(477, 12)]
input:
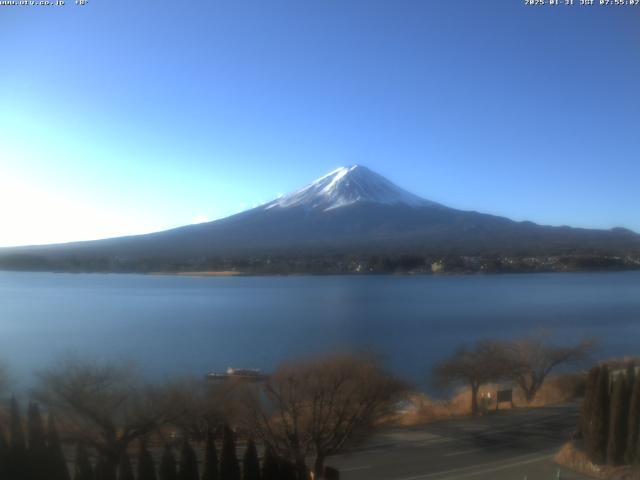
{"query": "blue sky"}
[(126, 117)]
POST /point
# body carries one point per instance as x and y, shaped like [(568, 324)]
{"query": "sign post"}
[(504, 396)]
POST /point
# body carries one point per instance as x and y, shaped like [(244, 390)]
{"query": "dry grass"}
[(421, 409), (571, 456), (558, 389)]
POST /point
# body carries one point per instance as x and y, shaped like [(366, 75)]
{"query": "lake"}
[(175, 325)]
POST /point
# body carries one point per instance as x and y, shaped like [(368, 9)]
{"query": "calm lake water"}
[(174, 325)]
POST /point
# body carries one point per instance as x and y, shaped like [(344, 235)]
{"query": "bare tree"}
[(533, 358), (199, 407), (102, 406), (486, 362), (309, 410)]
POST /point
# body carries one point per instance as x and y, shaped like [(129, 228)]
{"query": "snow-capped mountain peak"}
[(347, 186)]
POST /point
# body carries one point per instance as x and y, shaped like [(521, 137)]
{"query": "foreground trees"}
[(527, 362), (270, 467), (532, 359), (229, 466), (250, 463), (106, 411), (199, 408), (18, 459), (125, 471), (313, 408), (55, 456), (305, 412), (38, 456), (168, 469), (597, 433), (618, 422), (146, 465), (632, 451), (486, 362), (107, 414), (105, 407), (210, 469), (83, 468), (188, 463), (610, 414)]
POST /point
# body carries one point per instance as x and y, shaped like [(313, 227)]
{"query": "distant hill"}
[(350, 211)]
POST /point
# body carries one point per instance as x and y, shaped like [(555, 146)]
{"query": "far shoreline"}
[(235, 273), (370, 274), (210, 273)]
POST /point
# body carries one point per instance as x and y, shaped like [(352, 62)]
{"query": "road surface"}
[(509, 445)]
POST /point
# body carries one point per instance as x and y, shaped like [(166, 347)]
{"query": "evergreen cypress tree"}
[(301, 471), (586, 411), (15, 427), (56, 463), (631, 377), (146, 467), (188, 463), (4, 453), (636, 458), (331, 473), (37, 450), (101, 469), (125, 471), (270, 465), (17, 456), (168, 470), (210, 471), (250, 462), (83, 468), (634, 423), (229, 466), (596, 445), (618, 422), (109, 468), (287, 470)]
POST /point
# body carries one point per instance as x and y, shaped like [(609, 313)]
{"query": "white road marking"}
[(464, 452), (354, 469), (375, 448), (435, 441), (473, 469), (503, 467)]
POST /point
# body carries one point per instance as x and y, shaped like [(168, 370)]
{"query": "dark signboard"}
[(505, 396)]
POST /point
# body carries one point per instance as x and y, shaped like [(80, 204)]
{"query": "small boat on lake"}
[(247, 374)]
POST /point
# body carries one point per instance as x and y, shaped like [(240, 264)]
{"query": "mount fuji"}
[(351, 210), (347, 186)]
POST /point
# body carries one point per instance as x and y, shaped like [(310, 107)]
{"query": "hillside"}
[(350, 212)]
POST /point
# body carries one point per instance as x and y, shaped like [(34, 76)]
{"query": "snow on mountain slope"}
[(347, 186)]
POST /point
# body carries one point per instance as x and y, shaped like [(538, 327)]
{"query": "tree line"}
[(106, 423), (114, 426), (39, 455), (36, 455), (383, 262)]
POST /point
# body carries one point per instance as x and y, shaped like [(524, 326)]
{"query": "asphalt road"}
[(509, 445)]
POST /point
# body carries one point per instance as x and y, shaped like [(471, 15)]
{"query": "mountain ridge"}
[(350, 211)]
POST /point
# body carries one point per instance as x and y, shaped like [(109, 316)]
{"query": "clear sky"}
[(128, 116)]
